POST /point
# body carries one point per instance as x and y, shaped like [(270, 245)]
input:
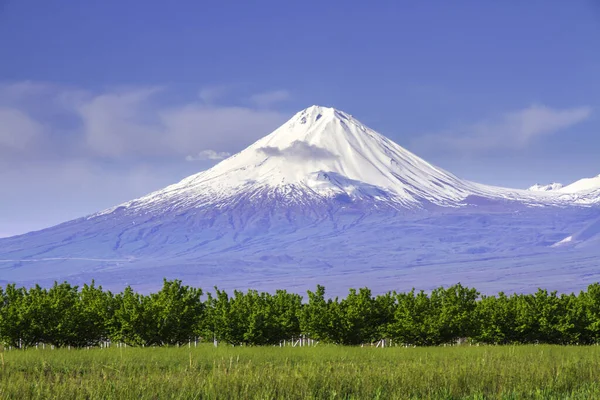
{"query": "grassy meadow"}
[(321, 372)]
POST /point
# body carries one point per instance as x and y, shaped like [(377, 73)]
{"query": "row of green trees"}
[(65, 315)]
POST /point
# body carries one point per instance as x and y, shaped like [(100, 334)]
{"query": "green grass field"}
[(321, 372)]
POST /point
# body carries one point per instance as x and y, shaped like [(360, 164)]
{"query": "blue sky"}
[(101, 102)]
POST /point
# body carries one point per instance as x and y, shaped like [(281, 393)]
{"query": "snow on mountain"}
[(588, 236), (545, 188), (584, 192), (322, 200), (583, 185)]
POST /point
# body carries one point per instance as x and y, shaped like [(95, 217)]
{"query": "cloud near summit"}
[(512, 130), (299, 150), (208, 155)]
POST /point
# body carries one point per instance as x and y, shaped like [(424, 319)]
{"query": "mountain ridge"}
[(545, 188)]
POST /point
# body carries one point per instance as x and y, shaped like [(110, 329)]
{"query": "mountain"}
[(321, 200), (545, 188)]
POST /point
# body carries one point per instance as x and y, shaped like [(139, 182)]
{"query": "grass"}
[(322, 372)]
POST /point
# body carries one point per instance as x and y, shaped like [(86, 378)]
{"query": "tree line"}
[(66, 315)]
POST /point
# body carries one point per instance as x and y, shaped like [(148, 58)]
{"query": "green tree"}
[(591, 304), (175, 313), (130, 321), (17, 328), (456, 315), (495, 318), (413, 321), (316, 319), (358, 318)]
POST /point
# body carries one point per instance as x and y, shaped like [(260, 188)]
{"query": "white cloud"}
[(116, 124), (211, 94), (514, 130), (208, 155), (268, 99), (219, 128), (24, 90), (300, 151), (133, 124), (122, 123), (18, 131)]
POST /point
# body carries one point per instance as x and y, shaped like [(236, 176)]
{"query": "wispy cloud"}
[(513, 130), (268, 99), (212, 94), (118, 123), (18, 131), (208, 155), (122, 123), (300, 151), (218, 128)]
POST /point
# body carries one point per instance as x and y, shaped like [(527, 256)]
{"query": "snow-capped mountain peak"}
[(321, 153), (545, 188)]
